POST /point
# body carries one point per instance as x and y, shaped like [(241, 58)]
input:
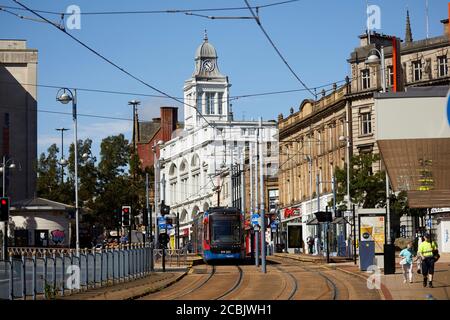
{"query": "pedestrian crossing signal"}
[(4, 209)]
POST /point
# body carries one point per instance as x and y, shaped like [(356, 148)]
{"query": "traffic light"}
[(126, 212), (117, 217), (164, 208), (4, 209)]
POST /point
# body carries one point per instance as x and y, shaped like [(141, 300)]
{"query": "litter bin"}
[(389, 259)]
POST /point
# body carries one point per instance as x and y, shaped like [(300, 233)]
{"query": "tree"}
[(87, 173), (113, 180), (367, 189), (49, 172)]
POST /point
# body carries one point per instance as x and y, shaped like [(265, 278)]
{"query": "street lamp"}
[(374, 59), (6, 164), (156, 168), (65, 95), (134, 103), (63, 162)]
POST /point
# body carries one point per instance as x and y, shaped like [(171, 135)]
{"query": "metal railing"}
[(46, 274), (173, 257)]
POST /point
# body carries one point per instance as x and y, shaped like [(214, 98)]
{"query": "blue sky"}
[(315, 36)]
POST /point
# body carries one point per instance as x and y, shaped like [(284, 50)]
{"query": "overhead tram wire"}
[(66, 113), (258, 22), (155, 11), (237, 97), (114, 64)]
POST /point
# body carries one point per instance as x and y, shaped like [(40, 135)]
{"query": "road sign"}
[(274, 225), (162, 223), (429, 223), (255, 219)]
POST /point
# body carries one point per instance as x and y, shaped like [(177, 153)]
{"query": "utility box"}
[(389, 259), (366, 255)]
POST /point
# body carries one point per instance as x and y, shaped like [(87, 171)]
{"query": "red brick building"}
[(150, 132)]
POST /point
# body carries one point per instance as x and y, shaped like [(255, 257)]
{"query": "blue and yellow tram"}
[(218, 234)]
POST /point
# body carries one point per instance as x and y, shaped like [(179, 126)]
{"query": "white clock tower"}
[(207, 90)]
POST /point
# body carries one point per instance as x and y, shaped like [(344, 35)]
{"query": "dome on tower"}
[(205, 50)]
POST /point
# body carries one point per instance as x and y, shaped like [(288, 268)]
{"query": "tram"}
[(218, 234)]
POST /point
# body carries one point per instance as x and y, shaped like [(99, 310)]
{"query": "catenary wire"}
[(155, 11), (116, 65), (258, 22)]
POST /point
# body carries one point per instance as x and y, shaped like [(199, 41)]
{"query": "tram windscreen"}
[(225, 229)]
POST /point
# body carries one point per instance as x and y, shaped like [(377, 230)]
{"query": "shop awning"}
[(339, 220), (413, 136), (313, 222)]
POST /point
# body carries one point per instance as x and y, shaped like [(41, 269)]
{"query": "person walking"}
[(316, 245), (310, 242), (406, 262), (427, 250)]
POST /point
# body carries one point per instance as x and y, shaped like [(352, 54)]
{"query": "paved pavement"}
[(289, 277), (392, 286)]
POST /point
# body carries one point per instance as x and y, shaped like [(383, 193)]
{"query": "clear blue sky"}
[(316, 37)]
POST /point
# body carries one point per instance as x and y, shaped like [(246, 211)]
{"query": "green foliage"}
[(117, 179), (367, 188), (49, 174)]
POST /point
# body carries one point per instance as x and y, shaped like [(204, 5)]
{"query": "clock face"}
[(208, 65)]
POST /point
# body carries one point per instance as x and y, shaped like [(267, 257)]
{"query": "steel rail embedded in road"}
[(293, 279), (211, 274), (236, 285)]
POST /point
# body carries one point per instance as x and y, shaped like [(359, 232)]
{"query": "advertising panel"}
[(294, 234), (373, 228)]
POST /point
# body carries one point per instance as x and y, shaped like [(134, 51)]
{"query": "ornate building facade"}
[(195, 165)]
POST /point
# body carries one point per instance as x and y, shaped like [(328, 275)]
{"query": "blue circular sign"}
[(448, 110)]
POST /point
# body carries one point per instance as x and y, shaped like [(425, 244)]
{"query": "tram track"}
[(236, 285), (204, 282), (331, 284), (294, 282)]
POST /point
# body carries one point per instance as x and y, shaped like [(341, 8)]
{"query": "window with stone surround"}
[(417, 70), (366, 123), (442, 66), (365, 79), (390, 75)]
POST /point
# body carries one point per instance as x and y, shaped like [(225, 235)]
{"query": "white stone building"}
[(195, 164)]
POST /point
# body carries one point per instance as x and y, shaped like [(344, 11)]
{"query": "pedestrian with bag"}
[(406, 262), (429, 254)]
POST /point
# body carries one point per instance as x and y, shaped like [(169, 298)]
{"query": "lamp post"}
[(373, 59), (156, 169), (6, 164), (65, 96), (63, 162)]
